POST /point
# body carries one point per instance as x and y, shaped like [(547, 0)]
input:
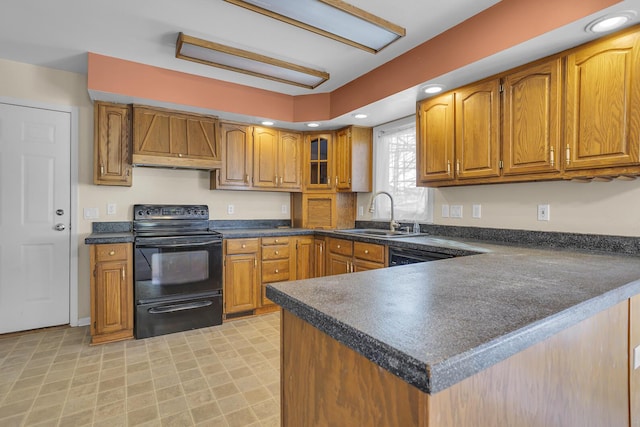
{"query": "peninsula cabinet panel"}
[(112, 144), (603, 104), (577, 377), (435, 147), (477, 139), (634, 374), (236, 142), (174, 139), (111, 292), (532, 121)]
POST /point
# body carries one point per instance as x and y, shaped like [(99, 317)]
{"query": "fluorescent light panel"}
[(229, 58), (331, 18)]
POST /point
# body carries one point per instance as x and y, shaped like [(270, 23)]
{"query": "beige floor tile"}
[(226, 375)]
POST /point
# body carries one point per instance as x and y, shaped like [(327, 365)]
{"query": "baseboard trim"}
[(85, 321)]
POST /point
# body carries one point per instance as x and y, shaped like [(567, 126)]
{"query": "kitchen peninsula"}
[(511, 336)]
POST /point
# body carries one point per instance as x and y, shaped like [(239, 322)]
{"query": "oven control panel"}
[(170, 212)]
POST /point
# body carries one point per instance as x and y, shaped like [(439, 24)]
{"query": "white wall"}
[(150, 185), (593, 208)]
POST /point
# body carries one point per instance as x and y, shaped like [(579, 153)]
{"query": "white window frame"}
[(381, 204)]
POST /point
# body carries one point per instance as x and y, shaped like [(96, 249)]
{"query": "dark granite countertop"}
[(106, 238), (434, 324)]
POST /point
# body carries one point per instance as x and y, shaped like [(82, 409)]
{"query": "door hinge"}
[(501, 88), (500, 164), (94, 325)]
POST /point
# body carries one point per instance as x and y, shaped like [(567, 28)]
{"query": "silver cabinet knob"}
[(60, 227)]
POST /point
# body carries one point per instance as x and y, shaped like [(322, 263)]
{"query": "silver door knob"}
[(60, 227)]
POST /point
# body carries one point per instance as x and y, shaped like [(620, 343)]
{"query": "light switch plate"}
[(445, 211), (111, 208), (544, 213), (477, 211), (91, 213)]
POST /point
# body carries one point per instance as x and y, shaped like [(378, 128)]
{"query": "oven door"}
[(167, 268)]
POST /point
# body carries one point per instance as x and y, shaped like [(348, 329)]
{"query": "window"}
[(395, 173)]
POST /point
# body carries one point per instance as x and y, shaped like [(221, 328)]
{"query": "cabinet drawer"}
[(111, 252), (275, 241), (368, 251), (275, 252), (242, 246), (275, 271), (340, 246)]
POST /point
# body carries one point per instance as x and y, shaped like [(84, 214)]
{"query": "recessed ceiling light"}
[(267, 123), (431, 89), (313, 125), (360, 116), (611, 22)]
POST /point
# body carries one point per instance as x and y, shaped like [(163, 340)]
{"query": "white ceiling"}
[(58, 34)]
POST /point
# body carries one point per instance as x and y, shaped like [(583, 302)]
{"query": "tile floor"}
[(226, 375)]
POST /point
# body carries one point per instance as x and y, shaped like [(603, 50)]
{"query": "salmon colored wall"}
[(502, 26)]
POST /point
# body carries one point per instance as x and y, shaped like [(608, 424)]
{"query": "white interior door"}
[(35, 192)]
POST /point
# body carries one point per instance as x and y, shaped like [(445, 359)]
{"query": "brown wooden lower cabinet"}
[(581, 376), (241, 275), (319, 257), (345, 256), (111, 283)]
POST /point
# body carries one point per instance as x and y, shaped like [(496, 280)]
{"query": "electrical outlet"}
[(445, 211), (284, 208), (360, 210), (477, 211), (230, 209), (111, 208), (544, 213), (456, 211)]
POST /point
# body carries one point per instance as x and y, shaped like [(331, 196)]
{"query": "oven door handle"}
[(179, 307), (176, 245)]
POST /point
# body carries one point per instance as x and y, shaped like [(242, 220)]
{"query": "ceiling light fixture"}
[(431, 89), (331, 18), (360, 116), (611, 22), (242, 61), (313, 125)]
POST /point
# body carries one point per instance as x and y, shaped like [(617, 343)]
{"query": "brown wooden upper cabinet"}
[(531, 119), (277, 157), (477, 122), (602, 125), (257, 158), (601, 119), (112, 142), (318, 162), (353, 159), (175, 139)]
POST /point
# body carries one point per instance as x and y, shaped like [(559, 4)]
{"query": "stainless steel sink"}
[(375, 232)]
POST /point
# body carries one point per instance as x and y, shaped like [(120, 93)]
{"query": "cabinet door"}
[(265, 158), (151, 131), (435, 145), (338, 264), (305, 247), (319, 258), (201, 140), (362, 265), (342, 156), (113, 302), (477, 139), (318, 167), (240, 282), (361, 158), (603, 104), (112, 142), (236, 147), (531, 119), (289, 160)]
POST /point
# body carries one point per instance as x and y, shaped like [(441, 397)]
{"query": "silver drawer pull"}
[(179, 307)]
